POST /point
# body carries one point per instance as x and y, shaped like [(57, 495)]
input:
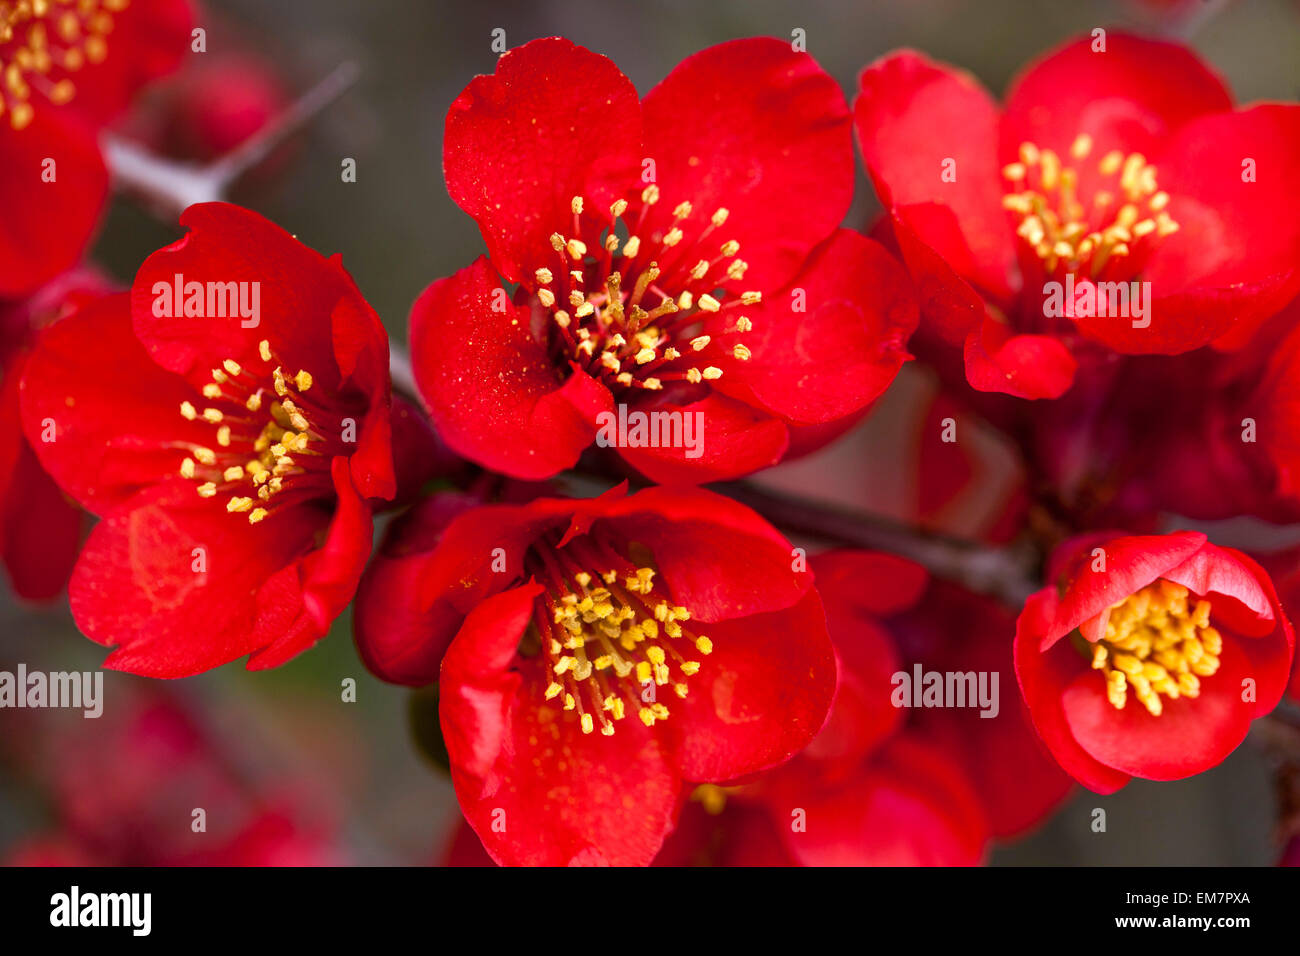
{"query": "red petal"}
[(716, 556), (910, 806), (950, 306), (1130, 564), (553, 122), (42, 531), (1190, 736), (46, 225), (298, 605), (876, 583), (401, 631), (489, 385), (115, 413), (1026, 366), (734, 439), (1043, 677), (844, 345), (956, 631), (537, 790), (1232, 264), (744, 712), (310, 310), (912, 116), (1131, 97), (762, 131), (135, 585)]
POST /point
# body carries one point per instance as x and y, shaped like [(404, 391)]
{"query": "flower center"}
[(1158, 645), (633, 313), (43, 42), (269, 444), (1127, 208), (609, 640)]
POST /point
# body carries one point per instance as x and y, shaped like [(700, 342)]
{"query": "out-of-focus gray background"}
[(398, 230)]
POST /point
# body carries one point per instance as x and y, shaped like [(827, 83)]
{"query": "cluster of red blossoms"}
[(669, 298)]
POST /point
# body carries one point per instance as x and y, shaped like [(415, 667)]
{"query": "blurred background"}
[(285, 768)]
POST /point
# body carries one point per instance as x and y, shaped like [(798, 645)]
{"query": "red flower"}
[(954, 631), (624, 224), (883, 785), (1124, 164), (117, 787), (230, 458), (69, 70), (598, 654), (1172, 647)]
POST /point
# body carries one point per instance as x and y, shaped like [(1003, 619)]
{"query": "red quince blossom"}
[(68, 69), (884, 784), (231, 461), (600, 653), (117, 786), (1103, 166), (1149, 656), (678, 254)]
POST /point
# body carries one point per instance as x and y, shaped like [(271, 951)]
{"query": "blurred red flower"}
[(1114, 159), (70, 70), (885, 784), (1150, 656), (123, 790), (743, 150), (231, 461), (599, 653)]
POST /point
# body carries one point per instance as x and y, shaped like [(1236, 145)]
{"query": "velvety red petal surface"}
[(298, 605), (951, 308), (758, 129), (310, 310), (735, 439), (536, 790), (842, 347), (1044, 677), (717, 557), (136, 584), (1234, 261), (401, 629), (554, 121), (1130, 564), (912, 116), (1191, 735), (759, 698), (491, 390), (115, 414)]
